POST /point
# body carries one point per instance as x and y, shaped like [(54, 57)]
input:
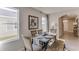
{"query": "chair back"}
[(27, 43)]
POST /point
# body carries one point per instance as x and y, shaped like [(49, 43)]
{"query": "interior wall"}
[(54, 18), (61, 32), (78, 27), (23, 17), (24, 12)]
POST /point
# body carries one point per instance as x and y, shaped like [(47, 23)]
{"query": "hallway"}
[(71, 42)]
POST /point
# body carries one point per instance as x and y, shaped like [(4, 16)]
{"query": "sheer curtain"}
[(44, 23), (9, 24)]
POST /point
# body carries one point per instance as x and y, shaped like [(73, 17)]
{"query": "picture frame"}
[(33, 22)]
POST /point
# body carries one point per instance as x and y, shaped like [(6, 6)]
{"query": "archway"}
[(67, 24)]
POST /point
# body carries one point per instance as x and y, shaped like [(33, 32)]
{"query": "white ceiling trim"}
[(50, 10)]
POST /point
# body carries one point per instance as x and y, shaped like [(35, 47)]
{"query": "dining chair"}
[(27, 43)]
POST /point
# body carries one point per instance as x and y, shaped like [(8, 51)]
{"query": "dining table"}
[(42, 41)]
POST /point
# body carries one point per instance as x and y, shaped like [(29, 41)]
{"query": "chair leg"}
[(31, 45), (64, 47), (25, 48)]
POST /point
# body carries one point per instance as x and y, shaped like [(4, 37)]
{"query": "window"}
[(9, 24), (44, 23)]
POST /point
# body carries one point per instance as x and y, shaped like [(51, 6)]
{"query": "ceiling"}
[(49, 10), (68, 17)]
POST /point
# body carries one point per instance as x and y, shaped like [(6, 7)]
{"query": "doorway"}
[(68, 31), (68, 25)]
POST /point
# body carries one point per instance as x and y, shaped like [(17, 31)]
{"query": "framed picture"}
[(33, 22)]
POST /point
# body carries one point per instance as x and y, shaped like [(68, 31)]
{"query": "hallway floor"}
[(71, 42)]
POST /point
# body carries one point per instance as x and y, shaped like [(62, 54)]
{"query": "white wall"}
[(23, 17), (24, 12), (53, 18)]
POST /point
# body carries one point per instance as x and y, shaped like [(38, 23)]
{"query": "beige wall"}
[(78, 27)]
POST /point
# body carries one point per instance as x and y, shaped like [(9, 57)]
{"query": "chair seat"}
[(58, 45)]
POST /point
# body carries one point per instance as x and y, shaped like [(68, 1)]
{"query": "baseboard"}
[(22, 49)]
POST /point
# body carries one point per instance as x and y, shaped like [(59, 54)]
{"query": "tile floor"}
[(71, 42)]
